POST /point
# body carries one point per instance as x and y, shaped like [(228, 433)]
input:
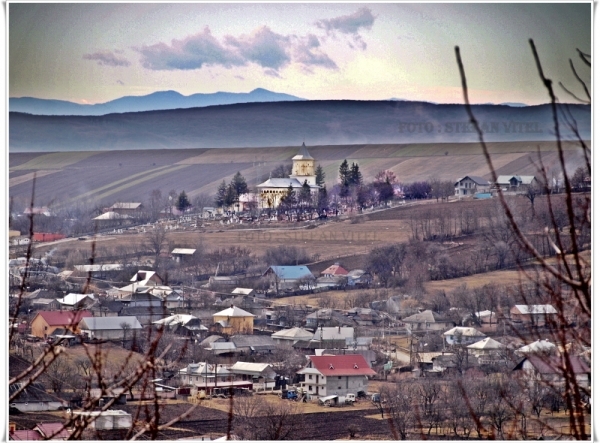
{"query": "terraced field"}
[(109, 176)]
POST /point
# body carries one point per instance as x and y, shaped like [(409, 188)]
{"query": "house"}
[(234, 320), (46, 304), (291, 336), (289, 277), (183, 324), (127, 208), (102, 271), (488, 351), (366, 316), (470, 185), (534, 315), (110, 328), (334, 270), (182, 254), (52, 431), (359, 278), (104, 420), (45, 322), (514, 183), (244, 291), (327, 317), (34, 398), (141, 278), (202, 374), (551, 369), (426, 321), (333, 333), (253, 344), (262, 375), (76, 301), (462, 336), (222, 348), (327, 375), (111, 216), (537, 347), (487, 320)]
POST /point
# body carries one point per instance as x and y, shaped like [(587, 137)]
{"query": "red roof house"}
[(334, 271), (25, 435), (327, 375), (52, 431), (46, 322)]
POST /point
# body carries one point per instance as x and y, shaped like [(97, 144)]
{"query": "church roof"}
[(280, 183), (303, 154)]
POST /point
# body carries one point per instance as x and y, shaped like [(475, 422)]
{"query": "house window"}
[(339, 377), (310, 388), (310, 377), (426, 325)]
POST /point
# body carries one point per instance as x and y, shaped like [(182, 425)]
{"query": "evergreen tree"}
[(239, 184), (305, 195), (322, 200), (354, 176), (320, 175), (344, 179), (230, 196), (183, 202), (220, 197)]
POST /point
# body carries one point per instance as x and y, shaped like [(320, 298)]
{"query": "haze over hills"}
[(284, 123), (160, 100)]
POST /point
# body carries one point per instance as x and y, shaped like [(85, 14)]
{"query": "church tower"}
[(304, 167)]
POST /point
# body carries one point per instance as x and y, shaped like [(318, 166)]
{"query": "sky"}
[(94, 53)]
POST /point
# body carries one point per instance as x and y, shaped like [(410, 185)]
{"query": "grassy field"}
[(107, 177)]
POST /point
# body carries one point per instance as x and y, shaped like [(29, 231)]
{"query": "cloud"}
[(263, 47), (349, 24), (192, 52), (307, 53), (107, 58)]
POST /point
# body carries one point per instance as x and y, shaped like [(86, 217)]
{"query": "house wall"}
[(239, 325), (109, 334), (426, 326), (530, 319), (315, 386), (345, 384), (464, 340), (41, 329)]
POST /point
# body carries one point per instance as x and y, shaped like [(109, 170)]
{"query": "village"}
[(302, 307)]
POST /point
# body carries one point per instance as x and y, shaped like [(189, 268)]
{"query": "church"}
[(303, 169)]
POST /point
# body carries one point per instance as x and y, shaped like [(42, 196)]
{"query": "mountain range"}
[(161, 100), (327, 122)]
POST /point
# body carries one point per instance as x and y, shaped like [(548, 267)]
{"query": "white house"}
[(291, 336), (110, 328), (463, 336), (327, 375), (470, 185)]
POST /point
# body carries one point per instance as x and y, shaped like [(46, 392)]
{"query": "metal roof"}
[(302, 154), (487, 344), (338, 365), (109, 323), (73, 299), (183, 251), (293, 334), (465, 332), (280, 183), (536, 309), (233, 311), (63, 318)]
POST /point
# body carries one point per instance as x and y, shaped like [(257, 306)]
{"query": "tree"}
[(320, 175), (305, 196), (238, 182), (322, 200), (578, 178), (532, 190), (401, 408), (231, 196), (156, 240), (344, 176), (183, 203), (354, 176), (385, 191), (385, 175), (220, 197), (282, 171)]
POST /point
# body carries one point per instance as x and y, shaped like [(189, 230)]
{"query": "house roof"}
[(242, 291), (293, 334), (356, 273), (126, 205), (242, 341), (185, 320), (280, 183), (538, 346), (110, 215), (486, 313), (222, 346), (210, 339), (335, 269), (54, 430), (233, 311), (478, 180), (427, 316), (427, 357), (34, 392), (63, 318), (302, 154), (73, 299), (143, 277), (486, 344), (251, 368), (109, 323), (554, 364), (98, 268), (291, 272), (334, 333), (204, 369), (349, 364), (535, 309), (465, 332), (183, 251), (25, 435)]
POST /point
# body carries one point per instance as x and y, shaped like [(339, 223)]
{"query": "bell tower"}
[(304, 167)]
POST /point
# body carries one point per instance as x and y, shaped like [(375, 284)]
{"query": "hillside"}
[(284, 123), (109, 176)]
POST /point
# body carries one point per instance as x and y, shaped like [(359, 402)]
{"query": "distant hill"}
[(161, 100), (284, 124)]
